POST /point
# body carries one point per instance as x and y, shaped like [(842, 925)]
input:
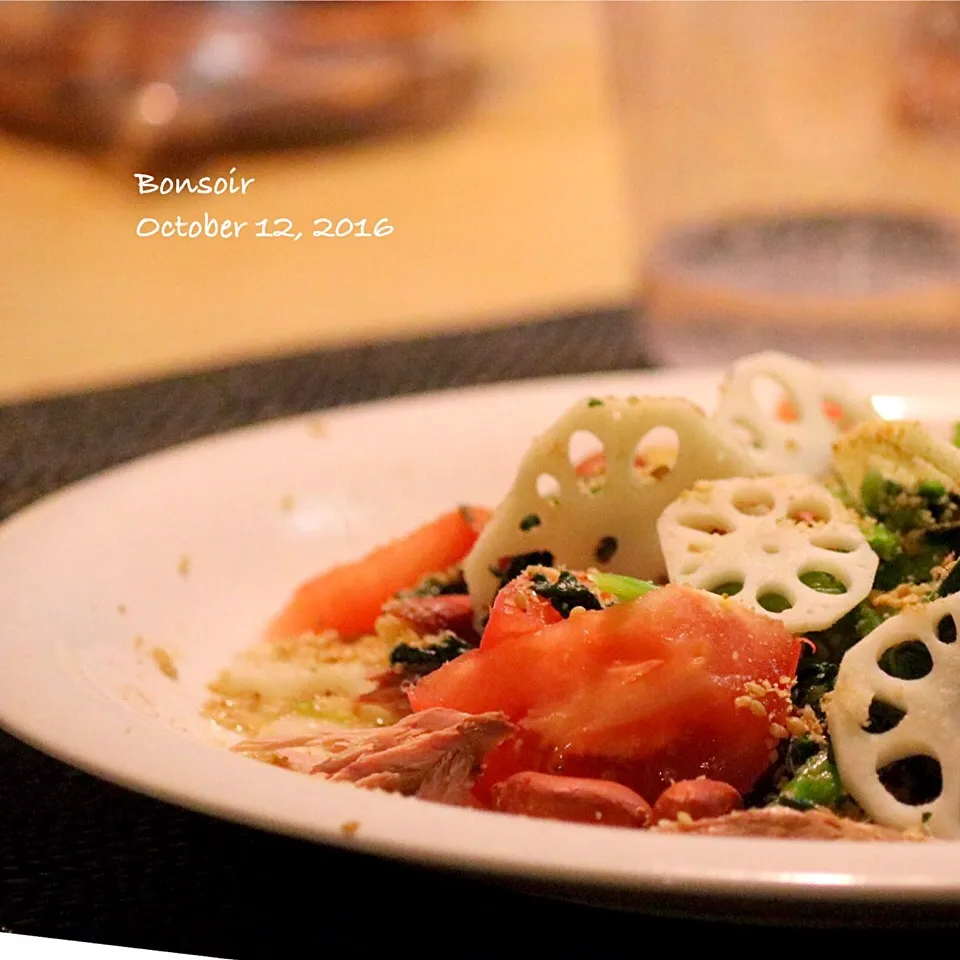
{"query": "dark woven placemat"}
[(83, 859)]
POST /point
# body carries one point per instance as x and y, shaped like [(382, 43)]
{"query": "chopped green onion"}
[(623, 588), (817, 784)]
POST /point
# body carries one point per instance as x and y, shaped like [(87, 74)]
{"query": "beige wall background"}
[(515, 211), (518, 210)]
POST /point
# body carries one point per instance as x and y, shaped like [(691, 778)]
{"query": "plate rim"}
[(854, 878)]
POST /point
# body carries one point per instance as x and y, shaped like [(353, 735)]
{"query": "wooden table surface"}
[(513, 211)]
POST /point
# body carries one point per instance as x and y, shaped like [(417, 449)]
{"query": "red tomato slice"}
[(517, 610), (349, 598), (645, 693)]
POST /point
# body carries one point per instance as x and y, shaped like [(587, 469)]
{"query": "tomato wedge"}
[(677, 684), (517, 609), (349, 598)]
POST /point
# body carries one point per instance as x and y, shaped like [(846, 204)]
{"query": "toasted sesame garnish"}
[(684, 817), (317, 427), (287, 502), (779, 731), (349, 827), (751, 704), (806, 724), (796, 726), (121, 608), (164, 663), (183, 567), (904, 595), (754, 688), (578, 612)]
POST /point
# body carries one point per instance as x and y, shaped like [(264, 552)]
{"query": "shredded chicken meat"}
[(434, 755), (785, 824)]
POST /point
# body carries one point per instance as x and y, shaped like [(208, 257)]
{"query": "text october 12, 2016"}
[(211, 227)]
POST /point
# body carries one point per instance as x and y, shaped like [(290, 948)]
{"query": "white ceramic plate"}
[(87, 571)]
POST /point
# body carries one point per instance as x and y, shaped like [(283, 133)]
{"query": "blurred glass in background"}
[(166, 82), (794, 171)]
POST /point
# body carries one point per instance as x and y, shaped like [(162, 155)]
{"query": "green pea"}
[(822, 582), (884, 542), (931, 489)]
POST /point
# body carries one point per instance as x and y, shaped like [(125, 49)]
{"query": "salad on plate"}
[(741, 624)]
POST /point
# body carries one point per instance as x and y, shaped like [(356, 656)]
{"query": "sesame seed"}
[(754, 688), (796, 726), (748, 703), (684, 817), (779, 731)]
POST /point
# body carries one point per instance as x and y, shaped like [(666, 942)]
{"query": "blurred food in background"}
[(789, 184), (168, 82), (930, 68)]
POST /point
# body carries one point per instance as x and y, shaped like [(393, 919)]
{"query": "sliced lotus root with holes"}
[(781, 545), (903, 451), (884, 726), (821, 405), (608, 523)]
